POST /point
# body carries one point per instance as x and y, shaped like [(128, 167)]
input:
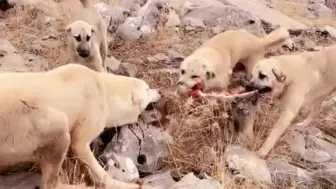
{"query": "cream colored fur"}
[(42, 112), (87, 42), (219, 55), (212, 63), (298, 80)]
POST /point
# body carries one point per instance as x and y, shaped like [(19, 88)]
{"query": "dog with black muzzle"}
[(298, 80), (87, 42)]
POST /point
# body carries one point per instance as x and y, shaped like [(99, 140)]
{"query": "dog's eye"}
[(261, 76), (88, 38), (78, 38), (194, 76), (182, 72)]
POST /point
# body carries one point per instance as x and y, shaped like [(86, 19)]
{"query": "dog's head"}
[(81, 33), (267, 76), (195, 73), (143, 95)]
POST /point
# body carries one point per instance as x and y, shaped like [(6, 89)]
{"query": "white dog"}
[(42, 113), (210, 66), (298, 79), (87, 42)]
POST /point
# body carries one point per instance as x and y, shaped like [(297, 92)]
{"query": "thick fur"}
[(42, 112), (87, 42), (298, 80), (212, 63)]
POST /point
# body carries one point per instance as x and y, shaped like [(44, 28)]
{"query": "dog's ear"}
[(279, 75), (93, 29), (210, 75), (68, 29)]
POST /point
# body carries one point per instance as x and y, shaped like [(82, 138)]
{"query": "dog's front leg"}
[(84, 153), (292, 106)]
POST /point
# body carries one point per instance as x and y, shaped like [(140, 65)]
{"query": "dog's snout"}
[(180, 83), (83, 53)]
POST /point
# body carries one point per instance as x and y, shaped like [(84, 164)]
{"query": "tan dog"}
[(298, 80), (212, 63), (210, 66), (70, 103), (87, 43)]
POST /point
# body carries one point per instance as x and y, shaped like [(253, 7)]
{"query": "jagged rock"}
[(190, 181), (176, 56), (247, 163), (151, 13), (331, 4), (160, 57), (21, 181), (112, 64), (306, 150), (173, 19), (319, 9), (129, 31), (115, 66), (267, 14), (162, 180), (120, 167), (218, 14), (328, 172), (282, 171), (11, 60), (114, 15), (146, 145), (130, 69)]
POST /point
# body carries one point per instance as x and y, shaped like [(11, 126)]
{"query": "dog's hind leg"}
[(314, 110), (53, 153)]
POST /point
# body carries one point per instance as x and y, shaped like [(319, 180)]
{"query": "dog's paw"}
[(262, 153), (302, 125)]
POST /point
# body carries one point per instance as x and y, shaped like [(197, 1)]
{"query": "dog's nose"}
[(180, 83), (83, 53)]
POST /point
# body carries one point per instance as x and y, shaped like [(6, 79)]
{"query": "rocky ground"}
[(181, 143)]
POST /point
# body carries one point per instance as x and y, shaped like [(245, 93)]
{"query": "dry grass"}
[(203, 126)]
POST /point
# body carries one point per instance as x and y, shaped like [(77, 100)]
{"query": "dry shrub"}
[(26, 26)]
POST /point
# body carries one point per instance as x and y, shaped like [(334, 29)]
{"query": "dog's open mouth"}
[(265, 90)]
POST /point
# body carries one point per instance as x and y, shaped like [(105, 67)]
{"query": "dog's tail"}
[(86, 3), (275, 38)]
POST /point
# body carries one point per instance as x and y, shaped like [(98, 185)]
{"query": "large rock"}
[(282, 171), (120, 167), (217, 14), (267, 14), (309, 147), (146, 145), (161, 180), (114, 15), (144, 23), (247, 163), (11, 60), (319, 9), (190, 181), (328, 172)]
